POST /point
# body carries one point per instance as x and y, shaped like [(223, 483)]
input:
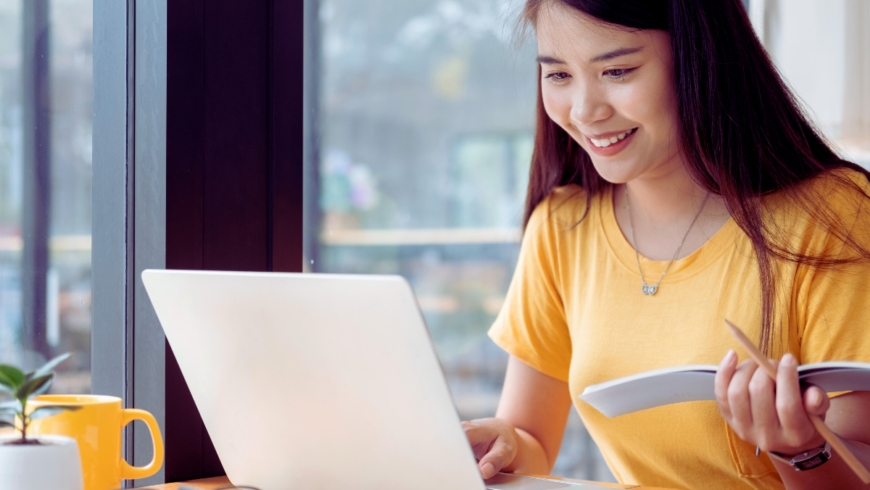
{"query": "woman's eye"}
[(557, 77), (618, 74)]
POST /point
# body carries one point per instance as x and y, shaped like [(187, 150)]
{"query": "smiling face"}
[(612, 90)]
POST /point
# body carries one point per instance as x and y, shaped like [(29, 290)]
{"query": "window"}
[(426, 123), (46, 92), (834, 87)]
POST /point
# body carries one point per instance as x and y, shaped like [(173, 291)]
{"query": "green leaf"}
[(35, 386), (49, 410), (10, 377), (49, 366)]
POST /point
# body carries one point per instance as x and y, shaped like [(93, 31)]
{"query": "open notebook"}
[(695, 383)]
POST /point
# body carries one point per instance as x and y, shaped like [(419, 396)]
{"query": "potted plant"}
[(27, 463)]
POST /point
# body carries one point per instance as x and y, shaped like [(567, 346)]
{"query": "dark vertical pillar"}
[(185, 116), (185, 130), (236, 125), (37, 172), (290, 43), (233, 166)]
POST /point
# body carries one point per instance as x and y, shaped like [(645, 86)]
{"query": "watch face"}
[(811, 463), (806, 460)]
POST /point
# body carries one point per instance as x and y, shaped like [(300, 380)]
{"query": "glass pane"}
[(46, 93), (427, 120), (835, 88)]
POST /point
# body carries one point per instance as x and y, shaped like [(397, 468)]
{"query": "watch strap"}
[(806, 460)]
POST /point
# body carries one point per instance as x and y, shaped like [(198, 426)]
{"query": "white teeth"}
[(604, 143)]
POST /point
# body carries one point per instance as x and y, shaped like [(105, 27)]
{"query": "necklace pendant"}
[(650, 289)]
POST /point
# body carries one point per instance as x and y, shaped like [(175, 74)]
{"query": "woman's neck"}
[(664, 199), (663, 207)]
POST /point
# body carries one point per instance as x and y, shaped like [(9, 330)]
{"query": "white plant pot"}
[(53, 465)]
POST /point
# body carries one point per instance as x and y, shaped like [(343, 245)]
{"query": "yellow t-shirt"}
[(575, 311)]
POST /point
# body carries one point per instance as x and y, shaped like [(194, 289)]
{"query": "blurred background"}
[(46, 94), (423, 135)]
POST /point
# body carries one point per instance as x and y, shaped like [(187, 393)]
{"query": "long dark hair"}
[(743, 134)]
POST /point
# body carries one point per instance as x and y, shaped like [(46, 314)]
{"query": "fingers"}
[(499, 456), (723, 379), (738, 399), (481, 434), (772, 414), (816, 401), (493, 442), (763, 408), (789, 404)]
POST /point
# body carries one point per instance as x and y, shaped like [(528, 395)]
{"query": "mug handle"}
[(133, 472)]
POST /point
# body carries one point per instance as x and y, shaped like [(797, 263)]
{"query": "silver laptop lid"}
[(314, 380)]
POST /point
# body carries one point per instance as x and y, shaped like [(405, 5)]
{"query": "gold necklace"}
[(651, 289)]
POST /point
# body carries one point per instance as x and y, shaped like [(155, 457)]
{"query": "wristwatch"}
[(806, 460)]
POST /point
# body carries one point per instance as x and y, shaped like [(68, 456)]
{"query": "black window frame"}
[(200, 147)]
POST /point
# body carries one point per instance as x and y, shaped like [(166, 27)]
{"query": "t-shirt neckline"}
[(652, 269)]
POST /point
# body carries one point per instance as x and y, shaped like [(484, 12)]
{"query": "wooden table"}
[(212, 483)]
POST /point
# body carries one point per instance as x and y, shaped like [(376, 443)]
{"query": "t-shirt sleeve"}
[(838, 316), (837, 313), (532, 324)]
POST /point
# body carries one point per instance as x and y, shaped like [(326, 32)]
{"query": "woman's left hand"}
[(771, 415)]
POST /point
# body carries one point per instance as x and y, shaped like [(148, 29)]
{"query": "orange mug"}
[(97, 428)]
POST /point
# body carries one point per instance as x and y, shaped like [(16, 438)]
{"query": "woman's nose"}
[(588, 106)]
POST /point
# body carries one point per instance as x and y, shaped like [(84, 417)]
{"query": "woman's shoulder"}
[(841, 183), (831, 207), (563, 205), (559, 225), (839, 190), (841, 193)]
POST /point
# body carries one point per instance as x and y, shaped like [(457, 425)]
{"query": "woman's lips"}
[(613, 149)]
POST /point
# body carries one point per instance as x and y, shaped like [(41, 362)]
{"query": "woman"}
[(675, 183)]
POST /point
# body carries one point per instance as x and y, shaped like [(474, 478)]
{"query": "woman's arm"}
[(775, 417), (526, 433)]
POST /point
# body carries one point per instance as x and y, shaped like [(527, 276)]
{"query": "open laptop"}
[(318, 381)]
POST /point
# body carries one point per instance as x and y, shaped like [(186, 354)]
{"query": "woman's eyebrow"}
[(615, 54), (549, 60)]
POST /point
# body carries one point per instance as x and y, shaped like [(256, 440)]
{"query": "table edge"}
[(218, 481)]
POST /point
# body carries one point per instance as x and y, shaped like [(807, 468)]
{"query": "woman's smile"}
[(610, 144)]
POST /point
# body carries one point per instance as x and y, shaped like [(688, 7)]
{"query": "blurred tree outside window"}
[(46, 93), (426, 131)]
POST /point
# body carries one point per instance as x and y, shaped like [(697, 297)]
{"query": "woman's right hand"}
[(494, 442)]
